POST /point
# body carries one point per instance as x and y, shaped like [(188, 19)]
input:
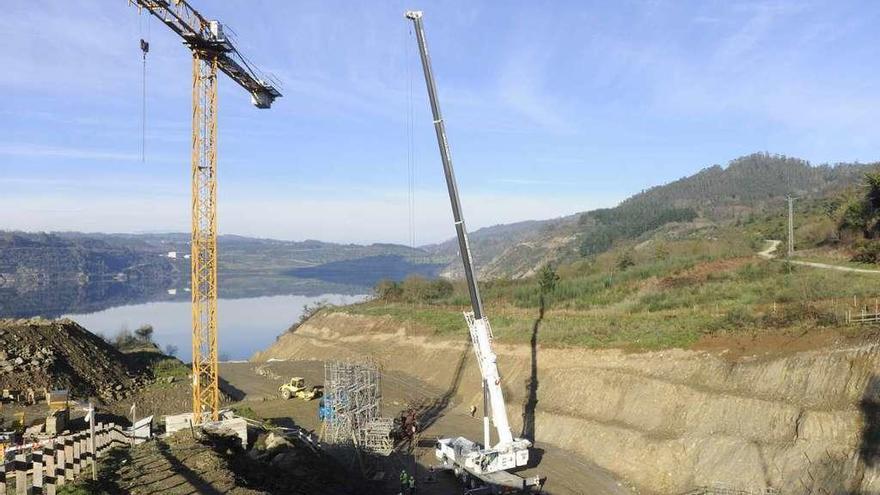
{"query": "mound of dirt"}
[(43, 354)]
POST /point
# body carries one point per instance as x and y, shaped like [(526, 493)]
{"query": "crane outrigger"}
[(469, 460)]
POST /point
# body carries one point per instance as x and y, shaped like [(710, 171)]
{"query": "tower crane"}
[(211, 50), (474, 463)]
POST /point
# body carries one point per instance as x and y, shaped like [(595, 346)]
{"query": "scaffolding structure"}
[(352, 406), (377, 436)]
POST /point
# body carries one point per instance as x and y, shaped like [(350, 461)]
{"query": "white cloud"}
[(40, 150)]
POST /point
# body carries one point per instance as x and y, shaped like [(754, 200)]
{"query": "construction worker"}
[(473, 411), (404, 481), (412, 485)]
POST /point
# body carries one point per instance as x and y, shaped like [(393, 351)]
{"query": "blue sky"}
[(552, 108)]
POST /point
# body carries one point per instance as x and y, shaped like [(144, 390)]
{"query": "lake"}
[(244, 325)]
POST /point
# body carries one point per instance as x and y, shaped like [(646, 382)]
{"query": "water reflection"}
[(245, 325), (65, 296)]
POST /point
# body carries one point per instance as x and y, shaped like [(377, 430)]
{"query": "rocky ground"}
[(43, 355)]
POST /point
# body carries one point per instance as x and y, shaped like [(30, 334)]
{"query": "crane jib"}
[(200, 34)]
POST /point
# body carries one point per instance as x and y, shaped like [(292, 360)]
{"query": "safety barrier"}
[(42, 467)]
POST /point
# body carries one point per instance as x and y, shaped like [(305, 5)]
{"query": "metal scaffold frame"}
[(352, 407), (377, 436), (204, 235)]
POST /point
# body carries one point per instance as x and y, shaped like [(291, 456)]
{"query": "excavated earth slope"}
[(667, 421), (60, 354)]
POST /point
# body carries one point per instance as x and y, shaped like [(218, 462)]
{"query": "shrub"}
[(753, 272), (308, 311), (547, 279), (145, 332), (124, 339), (736, 318), (867, 252), (625, 260), (420, 289), (388, 290)]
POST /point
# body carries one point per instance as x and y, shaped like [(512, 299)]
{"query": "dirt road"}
[(567, 474), (770, 253)]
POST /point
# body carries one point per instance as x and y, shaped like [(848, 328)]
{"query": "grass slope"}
[(667, 289)]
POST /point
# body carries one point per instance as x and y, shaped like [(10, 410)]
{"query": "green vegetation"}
[(170, 367), (125, 340), (749, 188), (79, 488), (667, 290), (245, 412), (859, 219), (414, 289), (601, 228)]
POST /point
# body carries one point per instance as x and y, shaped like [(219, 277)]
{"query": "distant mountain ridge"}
[(51, 274), (747, 185), (34, 262)]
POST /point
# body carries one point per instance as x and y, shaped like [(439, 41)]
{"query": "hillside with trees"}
[(749, 186), (685, 283)]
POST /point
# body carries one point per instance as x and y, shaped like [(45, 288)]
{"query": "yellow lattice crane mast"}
[(212, 51)]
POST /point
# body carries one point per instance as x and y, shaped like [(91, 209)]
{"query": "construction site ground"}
[(256, 384)]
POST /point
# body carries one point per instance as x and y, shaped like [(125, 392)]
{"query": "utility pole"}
[(790, 225)]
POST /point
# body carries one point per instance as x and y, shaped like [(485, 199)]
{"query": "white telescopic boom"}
[(479, 329)]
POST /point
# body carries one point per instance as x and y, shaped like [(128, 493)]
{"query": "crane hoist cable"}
[(145, 48), (410, 142)]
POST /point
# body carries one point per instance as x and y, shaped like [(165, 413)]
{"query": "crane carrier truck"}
[(483, 469)]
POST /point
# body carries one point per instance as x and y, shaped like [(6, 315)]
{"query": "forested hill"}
[(749, 182), (716, 194)]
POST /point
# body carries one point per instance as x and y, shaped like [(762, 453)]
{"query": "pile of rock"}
[(18, 358), (39, 354)]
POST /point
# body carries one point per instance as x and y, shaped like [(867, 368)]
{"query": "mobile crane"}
[(482, 467)]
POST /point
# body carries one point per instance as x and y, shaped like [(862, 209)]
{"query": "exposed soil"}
[(567, 472), (702, 272), (767, 344), (788, 411), (157, 399)]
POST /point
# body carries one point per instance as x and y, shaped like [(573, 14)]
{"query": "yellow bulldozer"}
[(296, 387)]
